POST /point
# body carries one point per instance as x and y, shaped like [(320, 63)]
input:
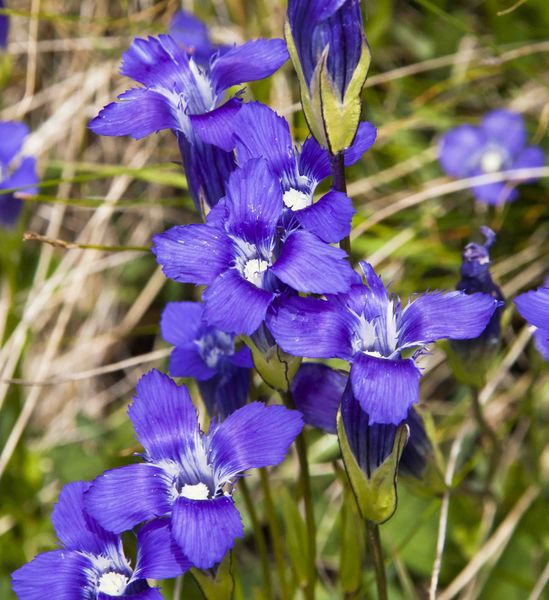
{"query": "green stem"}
[(259, 539), (178, 588), (374, 545), (305, 477), (487, 431), (275, 532), (339, 184)]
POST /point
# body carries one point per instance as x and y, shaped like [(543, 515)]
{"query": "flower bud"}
[(331, 56), (472, 357)]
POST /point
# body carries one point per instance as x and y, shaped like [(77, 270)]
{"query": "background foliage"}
[(79, 327)]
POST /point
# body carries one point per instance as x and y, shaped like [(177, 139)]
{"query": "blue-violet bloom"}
[(14, 174), (534, 307), (331, 56), (187, 476), (209, 355), (92, 565), (371, 330), (246, 258), (179, 93), (260, 132), (319, 391), (498, 144), (192, 34)]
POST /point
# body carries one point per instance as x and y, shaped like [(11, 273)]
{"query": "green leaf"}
[(219, 585), (296, 537)]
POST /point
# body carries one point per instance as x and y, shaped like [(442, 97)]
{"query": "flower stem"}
[(339, 184), (487, 431), (305, 477), (374, 545), (259, 539), (275, 533)]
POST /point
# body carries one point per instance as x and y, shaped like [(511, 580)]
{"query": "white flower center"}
[(254, 269), (491, 161), (296, 199), (113, 583), (198, 491)]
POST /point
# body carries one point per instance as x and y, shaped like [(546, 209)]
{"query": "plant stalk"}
[(374, 545), (259, 539)]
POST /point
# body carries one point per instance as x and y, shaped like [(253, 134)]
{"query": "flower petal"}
[(158, 555), (157, 61), (254, 202), (458, 147), (137, 113), (253, 436), (309, 265), (365, 138), (385, 388), (192, 34), (163, 416), (317, 390), (329, 218), (193, 253), (122, 498), (494, 193), (12, 134), (181, 322), (205, 529), (541, 337), (261, 132), (505, 128), (217, 126), (225, 392), (250, 61), (186, 362), (314, 160), (235, 305), (453, 315), (534, 307), (312, 328), (60, 574), (75, 528), (530, 158)]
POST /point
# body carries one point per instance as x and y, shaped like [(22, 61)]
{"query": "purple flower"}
[(246, 258), (259, 132), (12, 175), (209, 355), (534, 307), (476, 277), (92, 565), (497, 144), (319, 390), (178, 94), (192, 34), (187, 476), (371, 330), (4, 27), (330, 53)]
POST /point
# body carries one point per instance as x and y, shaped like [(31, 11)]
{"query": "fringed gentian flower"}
[(246, 258), (330, 53), (371, 330), (498, 144), (319, 391), (534, 307), (209, 355), (192, 34), (260, 132), (13, 175), (4, 27), (476, 277), (92, 565), (178, 94), (188, 476)]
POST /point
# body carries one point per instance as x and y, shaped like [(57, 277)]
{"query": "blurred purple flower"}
[(498, 144), (4, 27), (13, 175), (192, 34)]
